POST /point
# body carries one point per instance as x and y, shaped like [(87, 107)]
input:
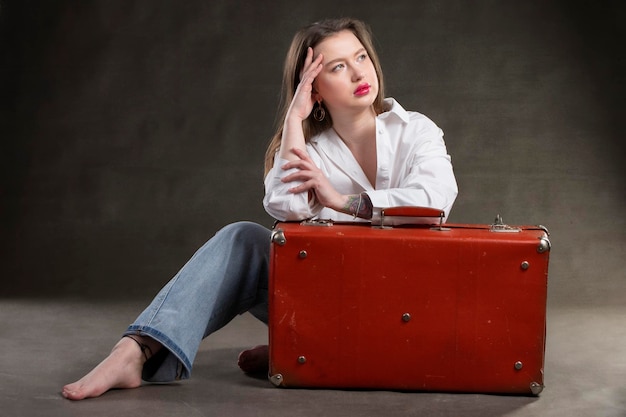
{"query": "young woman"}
[(342, 150)]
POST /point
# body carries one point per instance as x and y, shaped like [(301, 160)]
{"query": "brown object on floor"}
[(254, 360)]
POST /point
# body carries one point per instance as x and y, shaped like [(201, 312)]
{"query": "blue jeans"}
[(227, 276)]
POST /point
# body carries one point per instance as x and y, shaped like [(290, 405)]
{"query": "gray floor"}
[(46, 344)]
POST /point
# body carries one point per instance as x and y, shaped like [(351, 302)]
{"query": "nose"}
[(358, 75)]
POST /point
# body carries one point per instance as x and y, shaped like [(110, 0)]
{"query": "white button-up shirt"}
[(414, 169)]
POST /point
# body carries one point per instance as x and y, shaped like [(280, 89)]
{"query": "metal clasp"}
[(499, 226), (317, 222)]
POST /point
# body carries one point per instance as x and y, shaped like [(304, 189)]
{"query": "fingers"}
[(307, 63), (301, 153), (304, 163), (307, 172), (302, 175), (304, 171), (304, 97), (305, 186), (306, 168), (311, 68)]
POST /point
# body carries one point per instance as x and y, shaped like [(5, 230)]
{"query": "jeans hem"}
[(168, 344)]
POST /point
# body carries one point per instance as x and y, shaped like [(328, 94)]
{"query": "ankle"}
[(145, 349), (147, 345)]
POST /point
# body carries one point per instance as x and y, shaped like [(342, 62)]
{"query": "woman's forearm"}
[(293, 138)]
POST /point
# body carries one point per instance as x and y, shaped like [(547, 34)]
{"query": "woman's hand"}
[(300, 108), (313, 181), (303, 99)]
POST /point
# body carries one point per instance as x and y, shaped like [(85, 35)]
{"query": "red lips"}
[(362, 89)]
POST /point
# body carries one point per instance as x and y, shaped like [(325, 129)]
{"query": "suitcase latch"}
[(499, 226), (317, 222)]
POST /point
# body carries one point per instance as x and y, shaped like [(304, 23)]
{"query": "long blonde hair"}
[(311, 36)]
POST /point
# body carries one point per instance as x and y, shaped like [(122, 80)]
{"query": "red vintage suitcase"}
[(452, 308)]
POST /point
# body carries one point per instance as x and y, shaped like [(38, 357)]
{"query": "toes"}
[(72, 393)]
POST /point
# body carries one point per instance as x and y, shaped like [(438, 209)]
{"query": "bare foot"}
[(121, 369), (255, 360)]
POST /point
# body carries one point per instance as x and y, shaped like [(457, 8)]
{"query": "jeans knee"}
[(245, 232)]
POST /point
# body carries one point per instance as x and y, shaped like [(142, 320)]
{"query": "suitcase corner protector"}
[(278, 237), (536, 388), (276, 379)]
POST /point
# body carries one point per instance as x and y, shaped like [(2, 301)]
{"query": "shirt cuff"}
[(379, 198)]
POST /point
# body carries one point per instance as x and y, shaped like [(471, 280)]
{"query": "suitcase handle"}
[(408, 212), (412, 211)]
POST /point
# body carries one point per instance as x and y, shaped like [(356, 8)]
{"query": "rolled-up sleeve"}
[(282, 204), (425, 176), (430, 183)]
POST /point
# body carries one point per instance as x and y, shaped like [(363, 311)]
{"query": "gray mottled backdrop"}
[(133, 130)]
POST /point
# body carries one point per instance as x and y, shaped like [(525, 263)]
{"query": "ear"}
[(316, 96)]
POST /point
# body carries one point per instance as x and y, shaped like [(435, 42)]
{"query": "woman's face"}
[(348, 81)]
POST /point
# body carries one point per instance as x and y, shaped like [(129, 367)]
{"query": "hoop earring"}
[(319, 113)]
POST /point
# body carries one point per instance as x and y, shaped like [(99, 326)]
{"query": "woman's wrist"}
[(358, 205), (292, 117)]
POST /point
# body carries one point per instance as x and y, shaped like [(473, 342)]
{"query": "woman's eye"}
[(337, 67), (362, 57)]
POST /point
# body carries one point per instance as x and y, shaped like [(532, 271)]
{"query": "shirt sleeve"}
[(282, 204), (428, 178)]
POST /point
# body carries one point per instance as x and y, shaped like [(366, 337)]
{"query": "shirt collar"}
[(392, 107)]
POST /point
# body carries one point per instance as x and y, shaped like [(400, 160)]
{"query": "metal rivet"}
[(301, 359), (518, 365), (406, 317), (302, 254), (525, 265)]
